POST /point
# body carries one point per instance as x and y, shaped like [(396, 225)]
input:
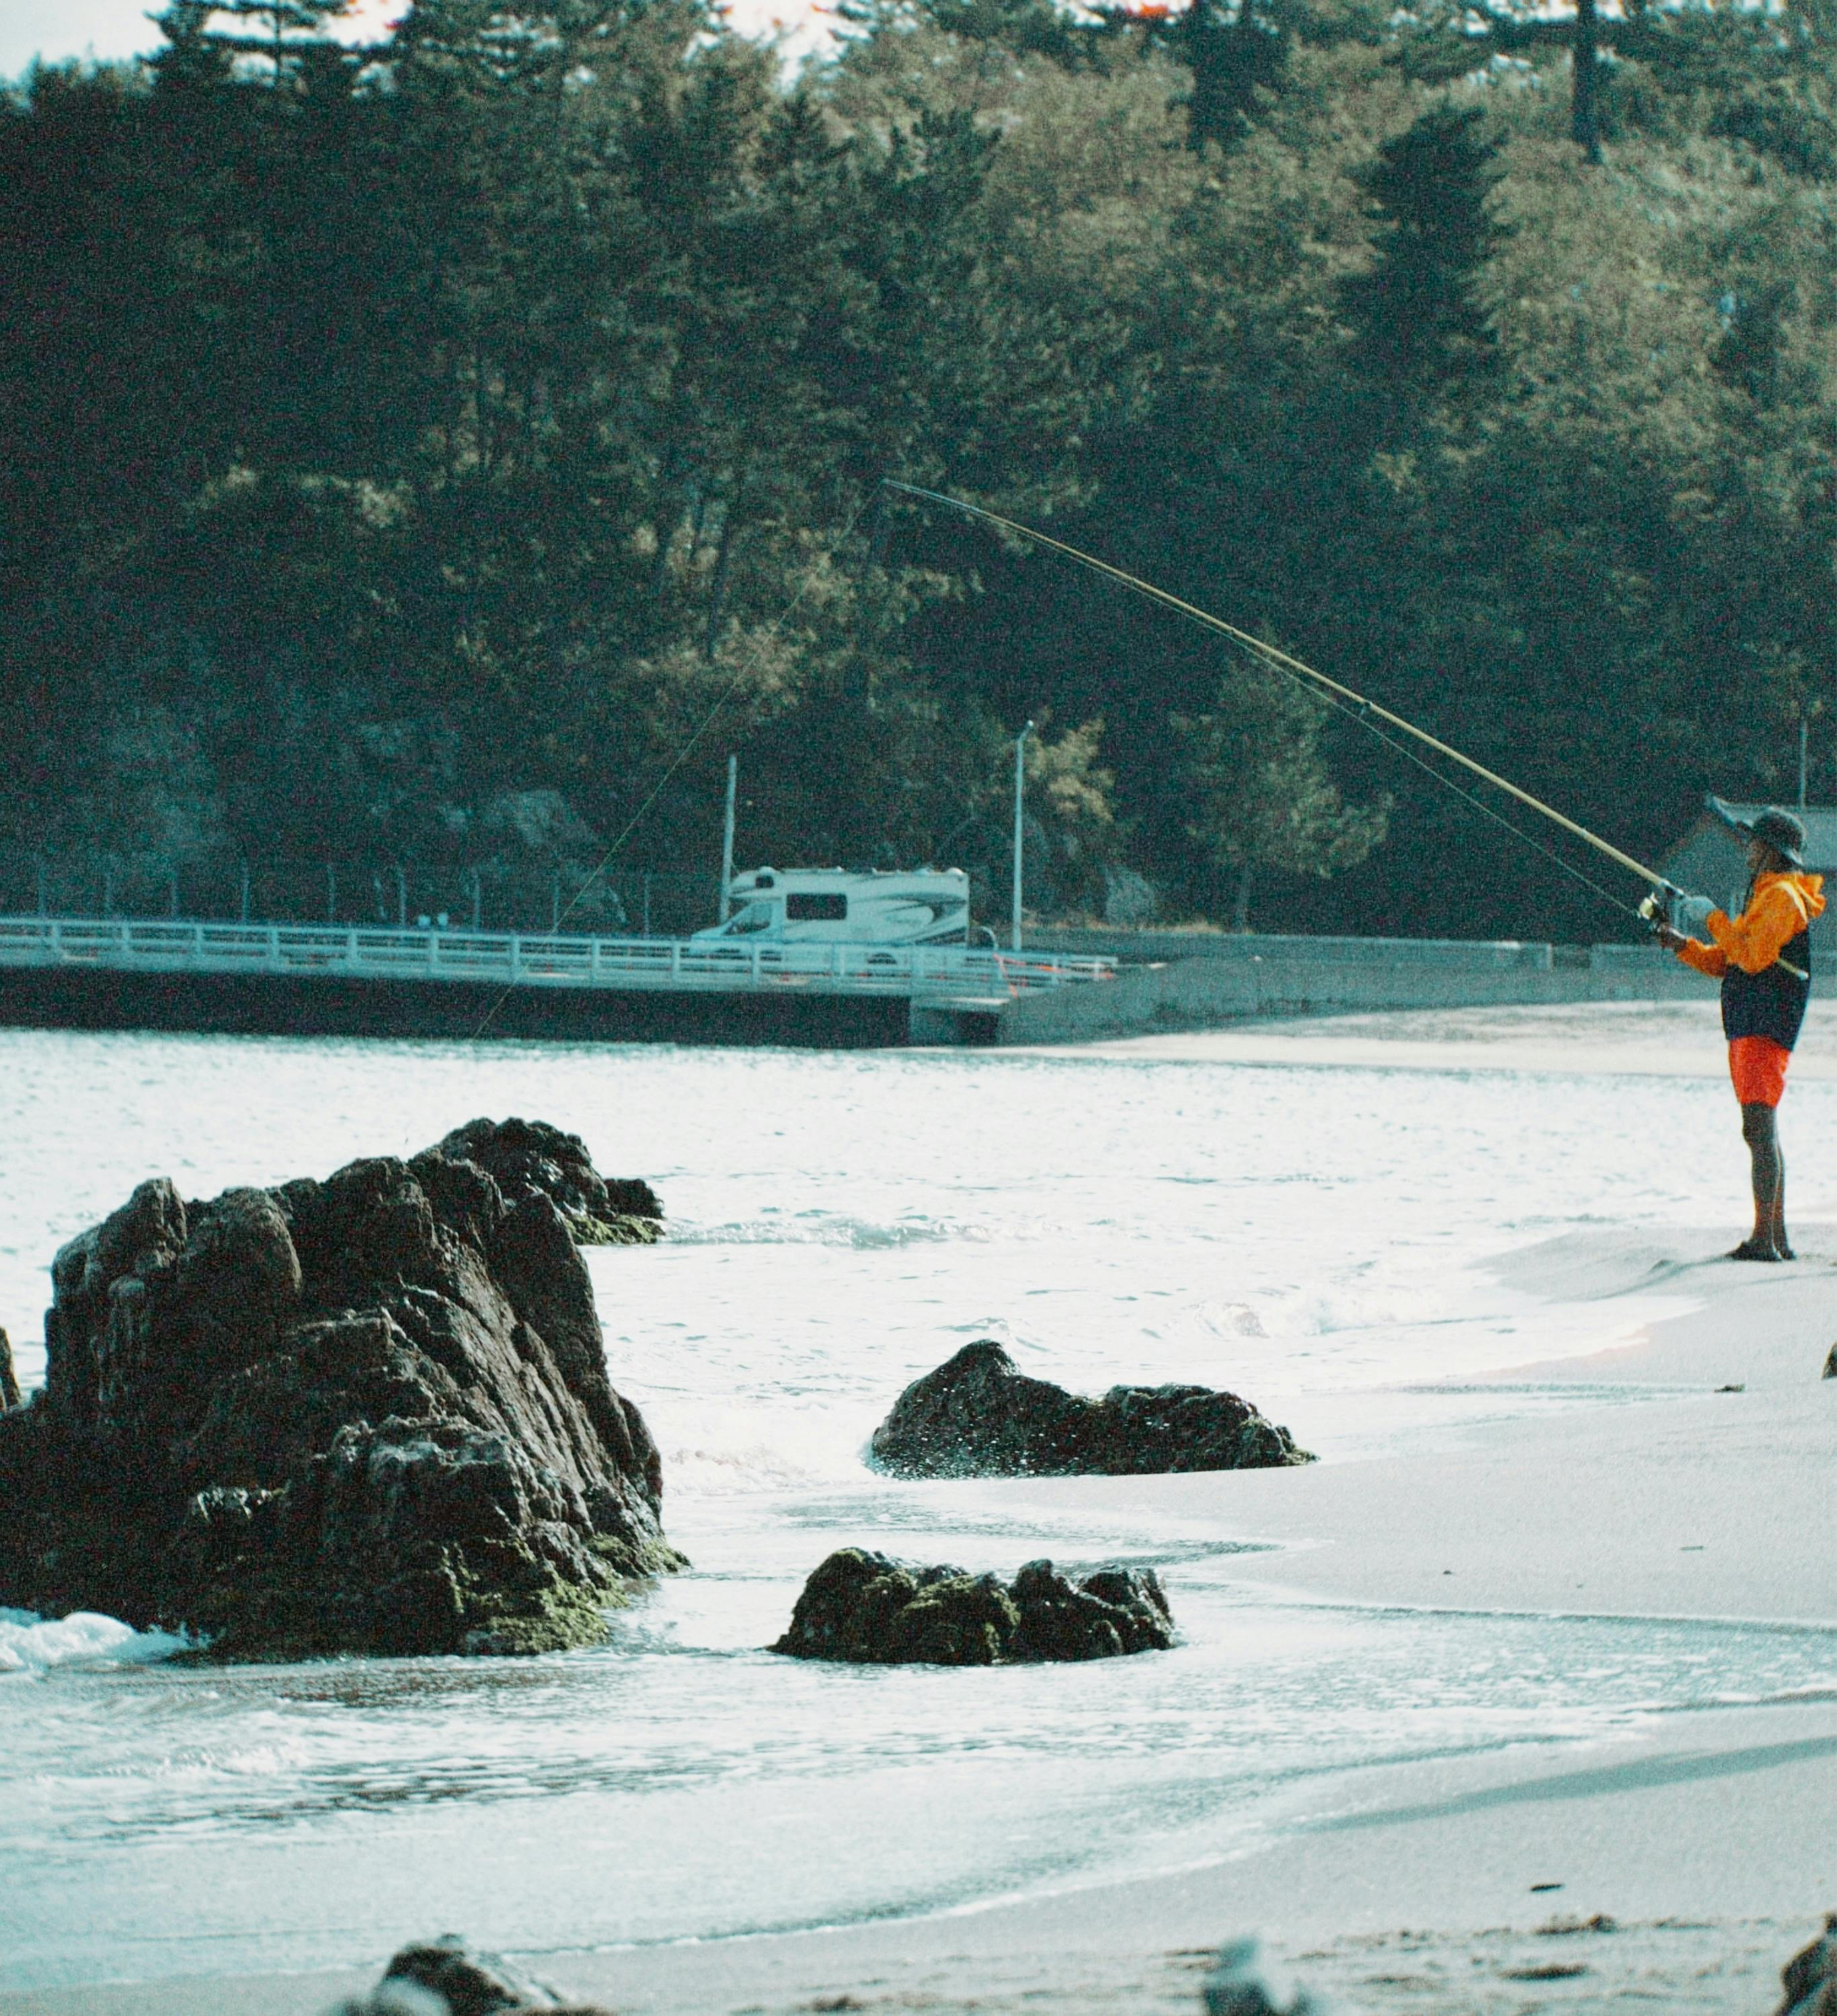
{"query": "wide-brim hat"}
[(1781, 831)]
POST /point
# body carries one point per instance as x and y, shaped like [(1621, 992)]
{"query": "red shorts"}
[(1758, 1066)]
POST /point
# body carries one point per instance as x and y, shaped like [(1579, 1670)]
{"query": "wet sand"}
[(1679, 1869)]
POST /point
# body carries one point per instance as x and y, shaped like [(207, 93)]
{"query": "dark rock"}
[(1809, 1977), (9, 1392), (978, 1415), (369, 1414), (523, 1156), (1831, 1363), (869, 1610), (443, 1976)]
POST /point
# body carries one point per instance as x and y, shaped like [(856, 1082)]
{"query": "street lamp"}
[(1020, 836)]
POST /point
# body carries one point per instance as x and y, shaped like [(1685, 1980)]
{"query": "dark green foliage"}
[(412, 454), (1420, 313)]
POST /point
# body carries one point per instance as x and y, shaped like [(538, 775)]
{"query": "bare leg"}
[(1782, 1245), (1761, 1133)]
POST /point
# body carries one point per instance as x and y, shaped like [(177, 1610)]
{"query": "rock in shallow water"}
[(367, 1415), (444, 1977), (978, 1415), (869, 1610), (523, 1156)]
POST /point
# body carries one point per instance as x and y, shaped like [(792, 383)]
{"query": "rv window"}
[(754, 917), (816, 909)]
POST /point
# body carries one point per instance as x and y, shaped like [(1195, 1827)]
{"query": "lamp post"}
[(1020, 832), (727, 840)]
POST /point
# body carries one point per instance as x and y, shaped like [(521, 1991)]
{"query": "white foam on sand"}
[(30, 1644)]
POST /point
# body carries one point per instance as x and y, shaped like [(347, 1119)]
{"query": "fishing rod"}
[(1655, 909)]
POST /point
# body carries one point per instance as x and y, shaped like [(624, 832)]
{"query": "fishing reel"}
[(1657, 909)]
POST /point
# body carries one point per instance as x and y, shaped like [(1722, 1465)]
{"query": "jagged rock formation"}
[(443, 1976), (369, 1414), (522, 1157), (9, 1392), (978, 1415), (871, 1609)]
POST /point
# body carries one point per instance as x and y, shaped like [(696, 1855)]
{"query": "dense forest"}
[(448, 451)]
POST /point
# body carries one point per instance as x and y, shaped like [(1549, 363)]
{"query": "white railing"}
[(531, 959)]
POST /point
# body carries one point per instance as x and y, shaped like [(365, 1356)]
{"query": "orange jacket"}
[(1779, 908)]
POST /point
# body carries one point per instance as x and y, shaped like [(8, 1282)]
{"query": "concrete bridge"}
[(319, 980)]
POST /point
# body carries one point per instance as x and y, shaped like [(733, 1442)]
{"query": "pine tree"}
[(1266, 797), (278, 35), (1421, 313)]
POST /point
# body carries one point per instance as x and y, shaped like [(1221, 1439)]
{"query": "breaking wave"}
[(30, 1644)]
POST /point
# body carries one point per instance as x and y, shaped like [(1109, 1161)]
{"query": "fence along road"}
[(941, 975)]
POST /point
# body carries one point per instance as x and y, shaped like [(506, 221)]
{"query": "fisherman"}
[(1764, 960)]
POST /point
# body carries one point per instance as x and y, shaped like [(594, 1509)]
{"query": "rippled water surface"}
[(839, 1224)]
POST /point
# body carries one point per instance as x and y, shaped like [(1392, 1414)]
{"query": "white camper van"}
[(827, 906)]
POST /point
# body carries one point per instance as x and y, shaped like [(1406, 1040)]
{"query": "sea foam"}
[(30, 1644)]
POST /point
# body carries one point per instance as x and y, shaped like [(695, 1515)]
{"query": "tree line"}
[(447, 450)]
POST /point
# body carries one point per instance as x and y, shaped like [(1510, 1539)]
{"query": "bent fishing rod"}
[(1653, 910)]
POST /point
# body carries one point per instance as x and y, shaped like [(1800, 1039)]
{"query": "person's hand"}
[(1669, 939)]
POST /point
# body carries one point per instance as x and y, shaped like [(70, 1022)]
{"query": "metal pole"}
[(1020, 833), (727, 840), (1802, 726)]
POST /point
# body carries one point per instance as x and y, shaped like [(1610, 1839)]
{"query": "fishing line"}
[(1485, 810), (1656, 906), (1295, 668), (768, 635)]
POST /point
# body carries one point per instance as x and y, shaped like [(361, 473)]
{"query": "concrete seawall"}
[(1177, 980)]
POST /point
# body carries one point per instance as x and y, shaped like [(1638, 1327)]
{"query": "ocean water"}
[(1322, 1239)]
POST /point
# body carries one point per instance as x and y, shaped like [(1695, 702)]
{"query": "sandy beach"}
[(1691, 1474)]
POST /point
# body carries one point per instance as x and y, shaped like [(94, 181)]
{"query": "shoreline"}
[(1703, 1835), (1702, 1832)]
